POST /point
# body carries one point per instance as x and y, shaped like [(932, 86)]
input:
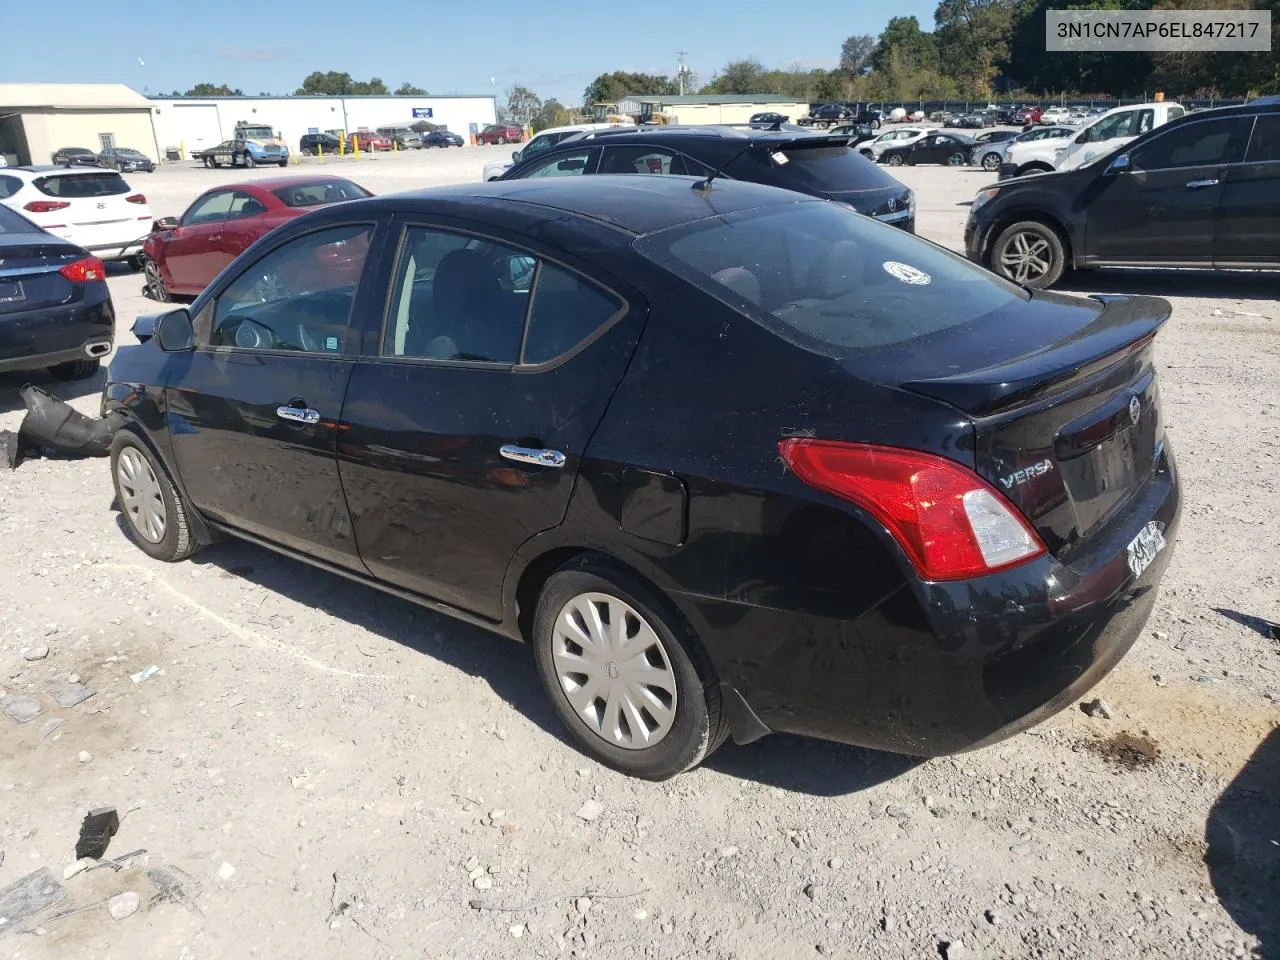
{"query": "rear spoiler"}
[(1125, 325), (810, 141)]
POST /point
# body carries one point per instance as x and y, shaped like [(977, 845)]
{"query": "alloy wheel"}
[(614, 671), (955, 159), (154, 282), (1026, 257), (140, 491), (895, 160), (991, 161)]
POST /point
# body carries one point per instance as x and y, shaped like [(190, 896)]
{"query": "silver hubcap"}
[(140, 492), (614, 671), (990, 161), (1026, 257)]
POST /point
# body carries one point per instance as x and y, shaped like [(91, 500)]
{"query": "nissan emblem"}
[(1135, 410)]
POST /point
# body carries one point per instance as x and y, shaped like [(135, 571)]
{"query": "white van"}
[(1112, 130)]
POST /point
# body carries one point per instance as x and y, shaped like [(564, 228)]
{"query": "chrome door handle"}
[(540, 458), (1201, 184), (299, 414)]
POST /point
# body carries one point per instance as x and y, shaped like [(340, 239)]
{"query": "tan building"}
[(38, 118), (722, 108)]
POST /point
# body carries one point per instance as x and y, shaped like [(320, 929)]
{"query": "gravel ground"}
[(336, 772)]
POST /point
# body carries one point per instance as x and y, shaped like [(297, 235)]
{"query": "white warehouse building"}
[(193, 123)]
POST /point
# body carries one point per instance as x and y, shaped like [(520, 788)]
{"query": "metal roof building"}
[(38, 118), (713, 108)]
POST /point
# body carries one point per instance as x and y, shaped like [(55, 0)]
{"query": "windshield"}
[(256, 133), (827, 168), (315, 194), (131, 154), (827, 279)]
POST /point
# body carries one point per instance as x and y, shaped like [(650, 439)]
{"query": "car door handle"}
[(540, 458), (298, 414), (1201, 184)]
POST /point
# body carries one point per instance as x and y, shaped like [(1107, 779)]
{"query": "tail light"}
[(83, 271), (136, 198), (950, 522), (46, 206)]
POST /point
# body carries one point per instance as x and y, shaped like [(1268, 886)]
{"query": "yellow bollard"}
[(182, 149), (355, 146), (320, 151)]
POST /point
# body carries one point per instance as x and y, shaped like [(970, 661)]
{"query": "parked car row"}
[(124, 159)]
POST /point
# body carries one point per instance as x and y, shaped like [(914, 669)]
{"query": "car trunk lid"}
[(1071, 431), (29, 278)]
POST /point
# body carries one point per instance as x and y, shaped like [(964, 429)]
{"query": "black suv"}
[(816, 164), (312, 143), (1202, 191)]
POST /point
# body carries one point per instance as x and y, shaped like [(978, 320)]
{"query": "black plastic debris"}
[(52, 427), (26, 897), (96, 831)]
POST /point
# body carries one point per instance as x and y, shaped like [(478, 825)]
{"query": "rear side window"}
[(314, 194), (1264, 147), (807, 169), (10, 222), (82, 186), (827, 279), (1201, 144), (566, 310), (9, 186)]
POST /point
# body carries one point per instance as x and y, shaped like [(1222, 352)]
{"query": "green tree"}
[(335, 84), (855, 52), (741, 77), (371, 88), (409, 90), (917, 50), (1105, 74), (972, 35), (552, 114), (213, 90), (522, 105), (612, 87)]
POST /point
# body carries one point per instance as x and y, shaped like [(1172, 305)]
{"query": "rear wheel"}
[(895, 160), (153, 286), (991, 161), (214, 161), (1029, 253), (284, 163), (955, 160), (152, 506), (1034, 168), (625, 674), (76, 369)]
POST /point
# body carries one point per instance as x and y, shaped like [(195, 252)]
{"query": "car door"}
[(246, 222), (930, 149), (254, 416), (1248, 228), (1163, 207), (463, 433), (191, 249)]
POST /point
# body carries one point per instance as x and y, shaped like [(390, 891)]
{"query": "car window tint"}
[(1194, 145), (541, 143), (210, 209), (1264, 146), (641, 159), (563, 165), (82, 186), (297, 297), (9, 186), (458, 298), (566, 310), (827, 279), (806, 168), (244, 206)]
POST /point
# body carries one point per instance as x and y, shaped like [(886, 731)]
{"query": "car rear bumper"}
[(60, 334), (1008, 170), (941, 668)]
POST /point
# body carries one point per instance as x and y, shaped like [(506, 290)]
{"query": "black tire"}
[(284, 163), (135, 262), (991, 161), (217, 164), (153, 282), (178, 541), (1036, 167), (955, 160), (700, 724), (248, 161), (895, 160), (76, 369), (1018, 249), (875, 124), (868, 154), (308, 152)]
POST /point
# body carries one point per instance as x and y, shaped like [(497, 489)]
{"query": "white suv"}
[(894, 138), (1113, 130), (543, 141), (93, 208), (1055, 116)]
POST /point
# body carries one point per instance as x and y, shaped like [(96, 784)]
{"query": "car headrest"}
[(741, 281), (838, 270)]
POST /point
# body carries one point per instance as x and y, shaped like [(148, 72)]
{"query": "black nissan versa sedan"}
[(55, 309), (730, 458), (1202, 191), (820, 165)]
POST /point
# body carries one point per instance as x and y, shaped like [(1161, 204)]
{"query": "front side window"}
[(542, 143), (1123, 124), (244, 206), (564, 165), (208, 209), (1264, 146), (1201, 144), (298, 297)]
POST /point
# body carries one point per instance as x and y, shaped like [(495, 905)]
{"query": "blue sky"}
[(453, 47)]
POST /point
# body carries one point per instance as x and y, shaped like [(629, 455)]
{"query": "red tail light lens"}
[(46, 206), (949, 521), (136, 198), (83, 271)]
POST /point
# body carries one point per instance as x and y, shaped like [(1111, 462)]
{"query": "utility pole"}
[(681, 70)]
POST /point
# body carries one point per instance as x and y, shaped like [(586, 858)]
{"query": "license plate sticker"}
[(12, 292), (1144, 547)]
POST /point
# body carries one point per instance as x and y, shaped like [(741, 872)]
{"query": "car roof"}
[(586, 128), (275, 183), (635, 205), (45, 169)]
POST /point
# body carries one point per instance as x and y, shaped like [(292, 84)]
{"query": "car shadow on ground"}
[(791, 763), (11, 383), (1225, 285), (1243, 855), (1257, 624)]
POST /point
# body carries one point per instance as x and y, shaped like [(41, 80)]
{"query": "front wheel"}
[(955, 160), (153, 282), (152, 507), (1029, 253), (216, 162), (625, 674), (248, 161), (895, 160), (991, 162), (284, 163)]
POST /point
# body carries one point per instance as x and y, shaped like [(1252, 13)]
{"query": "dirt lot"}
[(339, 773)]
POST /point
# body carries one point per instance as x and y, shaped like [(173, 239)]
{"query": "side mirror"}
[(1118, 165), (174, 332), (515, 155), (165, 223)]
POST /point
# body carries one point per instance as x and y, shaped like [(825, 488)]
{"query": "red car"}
[(501, 133), (182, 256), (370, 141)]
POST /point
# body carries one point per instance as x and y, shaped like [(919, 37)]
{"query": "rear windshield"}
[(74, 186), (828, 279), (11, 223), (826, 169), (314, 194)]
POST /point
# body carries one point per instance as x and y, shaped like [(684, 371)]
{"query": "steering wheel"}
[(253, 335)]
